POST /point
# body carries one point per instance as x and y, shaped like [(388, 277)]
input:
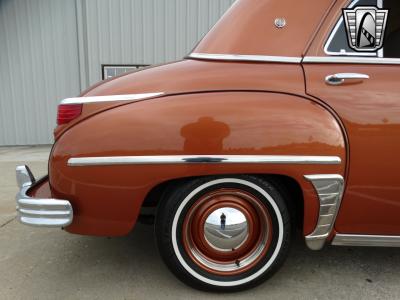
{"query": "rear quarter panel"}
[(107, 199)]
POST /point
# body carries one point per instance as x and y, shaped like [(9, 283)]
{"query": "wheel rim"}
[(227, 231)]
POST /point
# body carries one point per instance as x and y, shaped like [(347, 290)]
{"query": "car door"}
[(363, 88)]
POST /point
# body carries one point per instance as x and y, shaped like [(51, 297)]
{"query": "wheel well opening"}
[(161, 191), (288, 186), (293, 196)]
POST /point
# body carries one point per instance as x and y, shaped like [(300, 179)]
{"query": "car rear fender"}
[(107, 164)]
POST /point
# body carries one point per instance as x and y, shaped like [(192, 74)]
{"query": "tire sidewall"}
[(180, 202)]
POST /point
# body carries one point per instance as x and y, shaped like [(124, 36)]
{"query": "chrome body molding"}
[(203, 159), (366, 240), (238, 57), (37, 211), (329, 189), (111, 98), (351, 60)]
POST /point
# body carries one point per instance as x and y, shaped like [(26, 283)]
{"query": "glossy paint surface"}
[(207, 108), (188, 76), (107, 199), (192, 76), (249, 28), (370, 111)]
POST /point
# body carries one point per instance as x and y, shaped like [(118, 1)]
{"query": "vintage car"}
[(273, 123)]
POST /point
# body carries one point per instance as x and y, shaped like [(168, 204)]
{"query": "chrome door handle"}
[(339, 78)]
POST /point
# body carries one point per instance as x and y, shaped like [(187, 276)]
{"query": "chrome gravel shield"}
[(329, 189)]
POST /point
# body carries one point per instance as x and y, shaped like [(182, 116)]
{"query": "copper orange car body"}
[(249, 90)]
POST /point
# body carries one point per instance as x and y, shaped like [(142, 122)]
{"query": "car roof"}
[(248, 28)]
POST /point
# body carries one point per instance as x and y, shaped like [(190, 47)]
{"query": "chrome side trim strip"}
[(210, 159), (330, 192), (351, 60), (239, 57), (111, 98), (366, 240)]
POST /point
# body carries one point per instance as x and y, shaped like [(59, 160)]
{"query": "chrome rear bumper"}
[(38, 211)]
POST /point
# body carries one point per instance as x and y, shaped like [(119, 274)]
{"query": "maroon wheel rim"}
[(228, 244)]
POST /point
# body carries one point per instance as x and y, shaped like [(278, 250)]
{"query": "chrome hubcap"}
[(226, 229)]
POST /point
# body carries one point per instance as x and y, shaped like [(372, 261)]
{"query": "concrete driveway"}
[(51, 264)]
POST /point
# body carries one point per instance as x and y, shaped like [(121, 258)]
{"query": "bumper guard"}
[(38, 211)]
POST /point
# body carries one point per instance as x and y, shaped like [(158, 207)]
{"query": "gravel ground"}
[(40, 263)]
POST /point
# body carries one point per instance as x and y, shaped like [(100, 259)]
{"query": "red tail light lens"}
[(67, 112)]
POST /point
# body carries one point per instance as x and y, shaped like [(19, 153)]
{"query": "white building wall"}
[(38, 67), (53, 49)]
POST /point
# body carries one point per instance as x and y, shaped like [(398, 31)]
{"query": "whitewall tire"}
[(224, 233)]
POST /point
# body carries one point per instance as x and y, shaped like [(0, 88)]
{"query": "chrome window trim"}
[(202, 159), (351, 60), (329, 188), (380, 52), (239, 57), (333, 33), (110, 98), (366, 240), (306, 59)]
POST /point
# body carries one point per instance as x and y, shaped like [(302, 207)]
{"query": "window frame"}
[(340, 22)]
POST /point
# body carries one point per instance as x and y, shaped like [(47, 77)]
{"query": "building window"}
[(110, 71)]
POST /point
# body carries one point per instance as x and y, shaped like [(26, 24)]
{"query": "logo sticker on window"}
[(365, 27)]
